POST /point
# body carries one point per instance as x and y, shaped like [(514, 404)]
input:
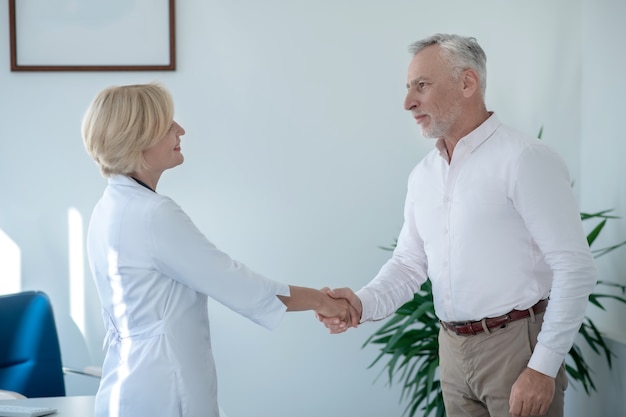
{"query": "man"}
[(491, 219)]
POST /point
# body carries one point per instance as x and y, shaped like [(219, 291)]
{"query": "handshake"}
[(339, 310)]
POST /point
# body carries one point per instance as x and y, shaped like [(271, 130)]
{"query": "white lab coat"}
[(154, 270)]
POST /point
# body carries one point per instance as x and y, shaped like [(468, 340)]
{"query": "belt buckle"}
[(508, 320)]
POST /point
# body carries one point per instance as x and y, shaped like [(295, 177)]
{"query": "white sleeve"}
[(183, 253), (401, 276), (544, 198)]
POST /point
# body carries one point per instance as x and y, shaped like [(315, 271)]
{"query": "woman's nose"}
[(180, 129)]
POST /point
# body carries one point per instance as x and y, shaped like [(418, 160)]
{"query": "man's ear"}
[(470, 82)]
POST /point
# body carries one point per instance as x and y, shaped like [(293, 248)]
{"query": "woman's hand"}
[(335, 323), (338, 311)]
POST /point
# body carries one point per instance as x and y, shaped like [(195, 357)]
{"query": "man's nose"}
[(409, 101)]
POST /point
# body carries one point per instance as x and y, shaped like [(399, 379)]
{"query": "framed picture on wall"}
[(77, 35)]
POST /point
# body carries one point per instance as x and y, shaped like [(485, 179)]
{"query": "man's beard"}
[(440, 127)]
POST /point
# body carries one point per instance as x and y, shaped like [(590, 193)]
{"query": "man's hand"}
[(336, 324), (343, 314), (531, 394)]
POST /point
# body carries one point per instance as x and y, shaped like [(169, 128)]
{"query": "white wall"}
[(602, 152), (297, 152)]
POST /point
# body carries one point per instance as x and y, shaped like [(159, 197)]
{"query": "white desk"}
[(80, 406)]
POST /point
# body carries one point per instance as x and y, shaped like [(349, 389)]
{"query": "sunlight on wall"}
[(76, 268), (10, 265)]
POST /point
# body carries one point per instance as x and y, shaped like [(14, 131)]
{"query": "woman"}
[(154, 269)]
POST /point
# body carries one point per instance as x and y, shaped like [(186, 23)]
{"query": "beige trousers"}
[(477, 372)]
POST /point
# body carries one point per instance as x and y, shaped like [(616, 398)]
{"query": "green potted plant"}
[(409, 339)]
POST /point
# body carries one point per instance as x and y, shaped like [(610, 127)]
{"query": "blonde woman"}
[(154, 269)]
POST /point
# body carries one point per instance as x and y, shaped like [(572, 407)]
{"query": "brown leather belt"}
[(470, 328)]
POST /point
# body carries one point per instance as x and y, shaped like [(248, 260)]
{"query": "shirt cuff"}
[(368, 301), (271, 314), (545, 361)]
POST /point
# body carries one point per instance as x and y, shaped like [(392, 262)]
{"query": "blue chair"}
[(30, 356)]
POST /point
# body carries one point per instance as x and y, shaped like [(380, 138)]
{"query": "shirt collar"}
[(123, 180), (473, 139)]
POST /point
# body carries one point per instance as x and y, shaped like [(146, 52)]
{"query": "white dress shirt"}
[(497, 228), (154, 270)]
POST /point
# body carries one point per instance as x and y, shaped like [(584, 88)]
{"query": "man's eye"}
[(419, 86)]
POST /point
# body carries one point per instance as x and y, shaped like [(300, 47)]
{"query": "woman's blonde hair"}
[(124, 121)]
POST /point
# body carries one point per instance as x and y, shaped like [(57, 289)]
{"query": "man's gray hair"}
[(460, 52)]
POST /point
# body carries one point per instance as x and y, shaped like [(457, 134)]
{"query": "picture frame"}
[(116, 35)]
